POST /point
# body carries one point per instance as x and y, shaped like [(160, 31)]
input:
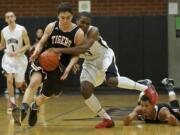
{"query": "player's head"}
[(65, 13), (39, 33), (10, 17), (84, 20), (146, 105)]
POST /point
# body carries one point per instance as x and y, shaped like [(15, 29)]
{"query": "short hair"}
[(40, 28), (144, 98), (86, 14), (64, 7), (9, 12)]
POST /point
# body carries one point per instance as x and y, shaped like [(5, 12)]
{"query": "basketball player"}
[(59, 34), (157, 113), (99, 65), (14, 62)]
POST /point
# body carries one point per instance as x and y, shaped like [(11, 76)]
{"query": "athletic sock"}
[(93, 103), (124, 82)]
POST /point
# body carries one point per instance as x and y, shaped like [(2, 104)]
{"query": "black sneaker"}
[(16, 113), (168, 82), (24, 109), (23, 114), (146, 82), (32, 115)]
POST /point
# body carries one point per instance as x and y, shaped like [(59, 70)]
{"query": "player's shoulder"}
[(94, 28), (51, 24), (5, 29), (20, 27)]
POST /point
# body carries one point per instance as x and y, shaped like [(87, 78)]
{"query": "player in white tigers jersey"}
[(14, 62), (99, 65)]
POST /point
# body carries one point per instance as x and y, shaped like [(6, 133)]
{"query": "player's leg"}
[(169, 85), (113, 79), (20, 81), (35, 82), (34, 108), (20, 113), (51, 85), (10, 88), (89, 80), (174, 103)]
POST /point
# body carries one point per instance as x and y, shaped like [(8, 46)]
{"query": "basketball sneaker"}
[(106, 123), (168, 82), (146, 82), (33, 115), (24, 109), (16, 113)]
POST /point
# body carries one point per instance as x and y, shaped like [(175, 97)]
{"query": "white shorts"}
[(16, 65), (96, 71)]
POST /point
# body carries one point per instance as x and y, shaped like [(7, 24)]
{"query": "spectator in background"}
[(39, 33)]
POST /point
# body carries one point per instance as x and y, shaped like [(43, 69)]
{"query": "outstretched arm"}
[(130, 117), (165, 115), (82, 45), (72, 62)]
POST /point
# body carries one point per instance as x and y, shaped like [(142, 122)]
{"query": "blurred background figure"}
[(39, 33)]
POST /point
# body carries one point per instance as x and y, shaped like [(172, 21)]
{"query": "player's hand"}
[(65, 74), (172, 120), (56, 50), (34, 56), (13, 54), (127, 121), (76, 68)]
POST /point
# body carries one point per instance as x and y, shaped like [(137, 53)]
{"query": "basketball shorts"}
[(100, 69), (52, 85), (16, 65)]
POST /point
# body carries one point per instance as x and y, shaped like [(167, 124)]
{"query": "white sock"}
[(124, 82), (93, 103), (12, 99), (172, 93), (140, 96)]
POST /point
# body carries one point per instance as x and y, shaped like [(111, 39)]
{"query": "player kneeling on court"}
[(157, 113)]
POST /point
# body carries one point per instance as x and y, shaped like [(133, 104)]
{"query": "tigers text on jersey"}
[(98, 49), (13, 39), (60, 39)]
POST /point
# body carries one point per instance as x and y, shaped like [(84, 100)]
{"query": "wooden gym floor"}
[(68, 115)]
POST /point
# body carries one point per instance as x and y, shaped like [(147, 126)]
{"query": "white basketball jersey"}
[(13, 39), (98, 49)]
